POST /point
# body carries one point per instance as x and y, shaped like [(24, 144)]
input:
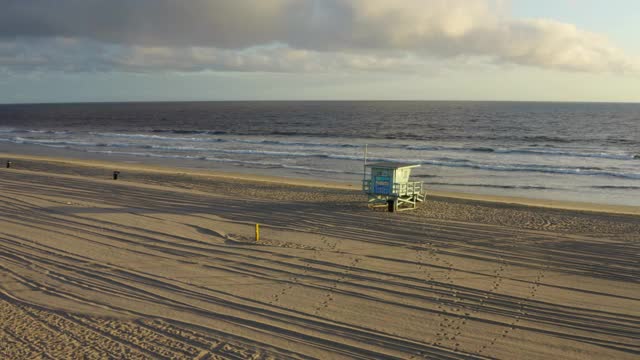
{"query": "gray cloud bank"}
[(288, 35)]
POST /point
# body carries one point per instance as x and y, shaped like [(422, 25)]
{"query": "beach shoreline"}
[(326, 184)]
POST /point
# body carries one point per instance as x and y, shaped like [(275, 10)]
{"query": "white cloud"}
[(86, 56), (290, 36)]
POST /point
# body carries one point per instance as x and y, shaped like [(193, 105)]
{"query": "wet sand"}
[(162, 264)]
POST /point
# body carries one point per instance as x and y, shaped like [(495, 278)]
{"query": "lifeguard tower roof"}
[(392, 165)]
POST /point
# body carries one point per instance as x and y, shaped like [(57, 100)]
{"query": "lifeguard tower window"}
[(387, 185)]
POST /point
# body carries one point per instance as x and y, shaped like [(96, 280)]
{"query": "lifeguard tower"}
[(387, 185)]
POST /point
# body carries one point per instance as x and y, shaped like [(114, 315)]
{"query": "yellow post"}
[(257, 232)]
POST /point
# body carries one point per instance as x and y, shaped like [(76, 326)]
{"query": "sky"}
[(165, 50)]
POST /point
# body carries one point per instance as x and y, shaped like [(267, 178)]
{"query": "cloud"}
[(70, 55), (290, 36)]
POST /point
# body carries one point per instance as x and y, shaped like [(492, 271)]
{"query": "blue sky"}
[(617, 19), (563, 50)]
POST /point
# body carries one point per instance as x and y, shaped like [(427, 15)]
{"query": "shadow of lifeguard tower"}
[(387, 185)]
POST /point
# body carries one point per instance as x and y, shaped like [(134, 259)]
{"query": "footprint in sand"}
[(328, 296)]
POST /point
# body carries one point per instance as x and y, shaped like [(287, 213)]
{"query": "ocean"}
[(587, 152)]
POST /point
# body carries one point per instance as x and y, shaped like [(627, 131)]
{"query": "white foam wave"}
[(445, 162), (225, 160), (473, 149)]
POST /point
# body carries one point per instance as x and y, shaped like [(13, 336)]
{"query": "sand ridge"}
[(162, 266)]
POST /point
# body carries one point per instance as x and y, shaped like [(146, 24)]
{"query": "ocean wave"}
[(615, 187), (600, 155), (578, 170), (536, 139), (237, 151), (225, 160), (231, 140), (290, 143), (284, 143), (33, 131), (362, 137), (298, 167), (182, 131), (21, 140), (494, 186), (154, 137), (546, 169)]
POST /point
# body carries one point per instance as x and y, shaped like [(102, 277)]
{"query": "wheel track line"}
[(494, 287), (262, 326), (280, 263), (328, 298), (28, 344), (295, 279), (499, 276), (58, 329), (54, 292), (66, 314), (432, 251), (177, 245), (150, 340), (196, 340), (90, 282), (446, 322), (11, 347), (31, 346), (80, 321), (522, 313), (203, 337), (368, 331)]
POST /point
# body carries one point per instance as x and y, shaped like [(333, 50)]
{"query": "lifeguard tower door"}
[(382, 180)]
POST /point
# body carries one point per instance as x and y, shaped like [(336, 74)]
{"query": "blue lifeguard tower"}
[(387, 185)]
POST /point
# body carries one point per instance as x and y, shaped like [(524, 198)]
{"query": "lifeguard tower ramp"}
[(387, 185)]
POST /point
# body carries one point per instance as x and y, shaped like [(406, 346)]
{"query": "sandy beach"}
[(162, 264)]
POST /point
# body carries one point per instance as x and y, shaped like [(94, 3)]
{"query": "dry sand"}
[(161, 264)]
